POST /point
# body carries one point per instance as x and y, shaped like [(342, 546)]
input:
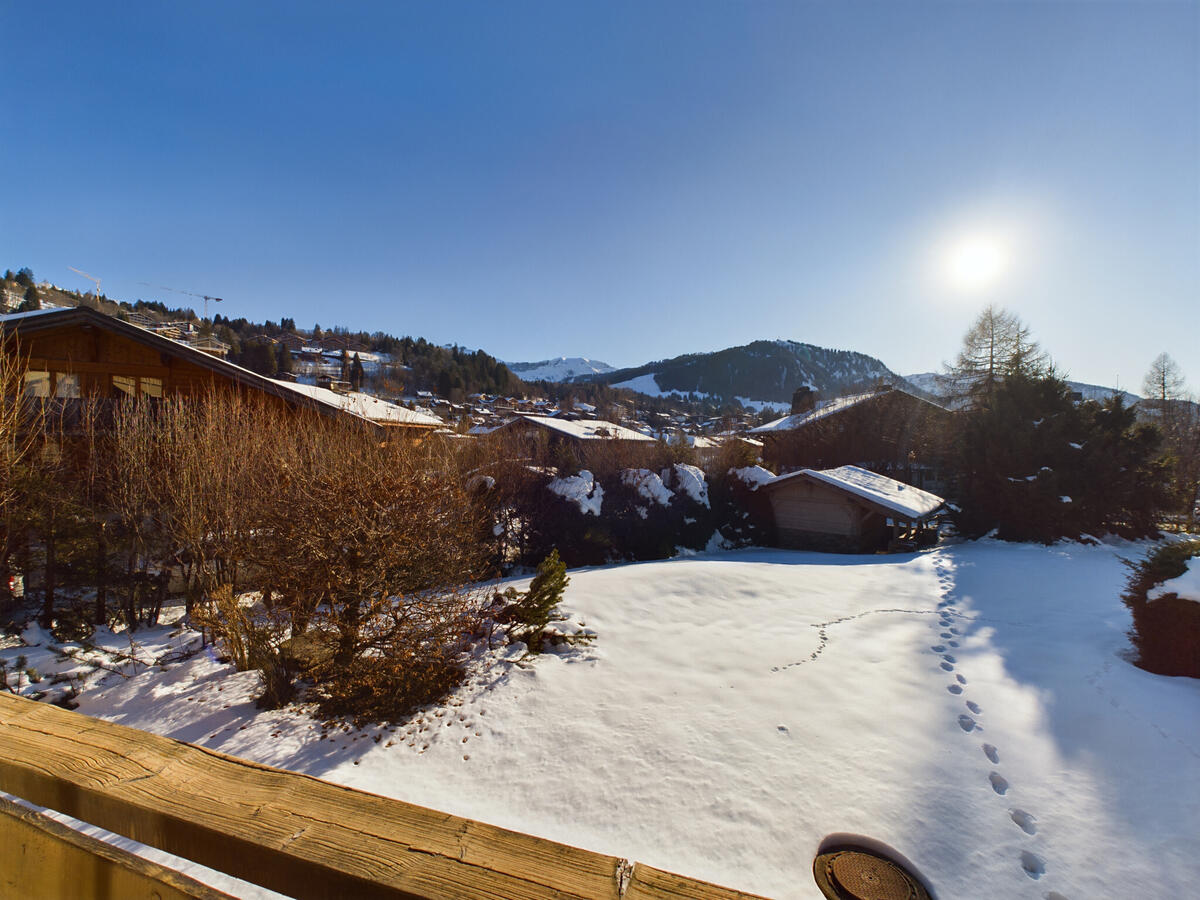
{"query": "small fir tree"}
[(535, 610)]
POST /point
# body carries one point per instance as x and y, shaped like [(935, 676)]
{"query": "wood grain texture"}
[(42, 858), (289, 832)]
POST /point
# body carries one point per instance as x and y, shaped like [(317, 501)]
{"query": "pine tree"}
[(535, 610)]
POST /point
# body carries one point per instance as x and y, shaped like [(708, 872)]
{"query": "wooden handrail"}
[(293, 833), (40, 857)]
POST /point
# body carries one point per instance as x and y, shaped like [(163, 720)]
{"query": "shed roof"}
[(893, 497)]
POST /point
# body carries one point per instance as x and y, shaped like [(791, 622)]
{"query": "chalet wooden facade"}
[(79, 353), (849, 509), (888, 430)]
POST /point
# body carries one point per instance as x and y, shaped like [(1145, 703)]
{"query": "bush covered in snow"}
[(1166, 609)]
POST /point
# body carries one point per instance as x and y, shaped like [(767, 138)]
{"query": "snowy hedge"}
[(633, 513), (1163, 594)]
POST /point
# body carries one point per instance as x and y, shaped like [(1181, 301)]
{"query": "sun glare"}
[(974, 263)]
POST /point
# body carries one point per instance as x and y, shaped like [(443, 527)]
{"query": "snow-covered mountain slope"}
[(768, 371), (565, 368)]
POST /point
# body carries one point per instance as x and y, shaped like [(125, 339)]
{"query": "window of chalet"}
[(66, 386), (134, 386), (37, 384)]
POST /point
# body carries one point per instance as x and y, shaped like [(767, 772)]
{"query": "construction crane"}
[(204, 297), (88, 277)]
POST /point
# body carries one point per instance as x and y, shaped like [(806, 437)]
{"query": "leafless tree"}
[(998, 344)]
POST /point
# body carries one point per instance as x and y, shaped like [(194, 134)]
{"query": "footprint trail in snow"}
[(1032, 864)]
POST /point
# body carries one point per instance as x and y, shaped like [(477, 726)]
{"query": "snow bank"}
[(648, 485), (691, 482), (1185, 587), (581, 490), (752, 476)]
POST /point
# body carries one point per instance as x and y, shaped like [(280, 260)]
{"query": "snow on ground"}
[(969, 706)]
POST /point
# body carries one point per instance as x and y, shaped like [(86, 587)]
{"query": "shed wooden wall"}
[(809, 515)]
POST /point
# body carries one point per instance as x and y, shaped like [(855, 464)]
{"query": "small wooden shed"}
[(851, 510)]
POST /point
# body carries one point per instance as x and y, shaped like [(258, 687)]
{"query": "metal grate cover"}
[(861, 875)]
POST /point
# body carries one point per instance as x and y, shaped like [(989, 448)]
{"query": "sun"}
[(975, 262)]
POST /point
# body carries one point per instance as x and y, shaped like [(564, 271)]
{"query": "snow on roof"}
[(828, 408), (16, 317), (590, 430), (364, 405), (798, 420), (903, 500)]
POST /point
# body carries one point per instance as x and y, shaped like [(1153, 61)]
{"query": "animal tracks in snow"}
[(999, 783), (823, 633)]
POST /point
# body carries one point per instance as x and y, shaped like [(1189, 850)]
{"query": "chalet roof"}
[(831, 407), (892, 497), (585, 430), (48, 319), (366, 406)]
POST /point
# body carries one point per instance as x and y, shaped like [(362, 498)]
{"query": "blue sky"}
[(623, 181)]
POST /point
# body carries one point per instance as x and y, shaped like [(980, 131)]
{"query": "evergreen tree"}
[(356, 373), (283, 358), (535, 609), (32, 301), (1033, 465)]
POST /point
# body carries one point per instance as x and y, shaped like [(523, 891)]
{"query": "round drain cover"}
[(860, 875)]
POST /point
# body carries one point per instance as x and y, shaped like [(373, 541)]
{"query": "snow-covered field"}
[(969, 707)]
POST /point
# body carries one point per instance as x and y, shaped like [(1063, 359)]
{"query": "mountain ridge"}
[(764, 372)]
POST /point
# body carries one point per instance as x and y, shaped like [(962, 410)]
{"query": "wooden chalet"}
[(850, 510), (579, 433), (888, 430), (79, 353)]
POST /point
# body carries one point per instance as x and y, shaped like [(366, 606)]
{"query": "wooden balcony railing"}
[(291, 833)]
